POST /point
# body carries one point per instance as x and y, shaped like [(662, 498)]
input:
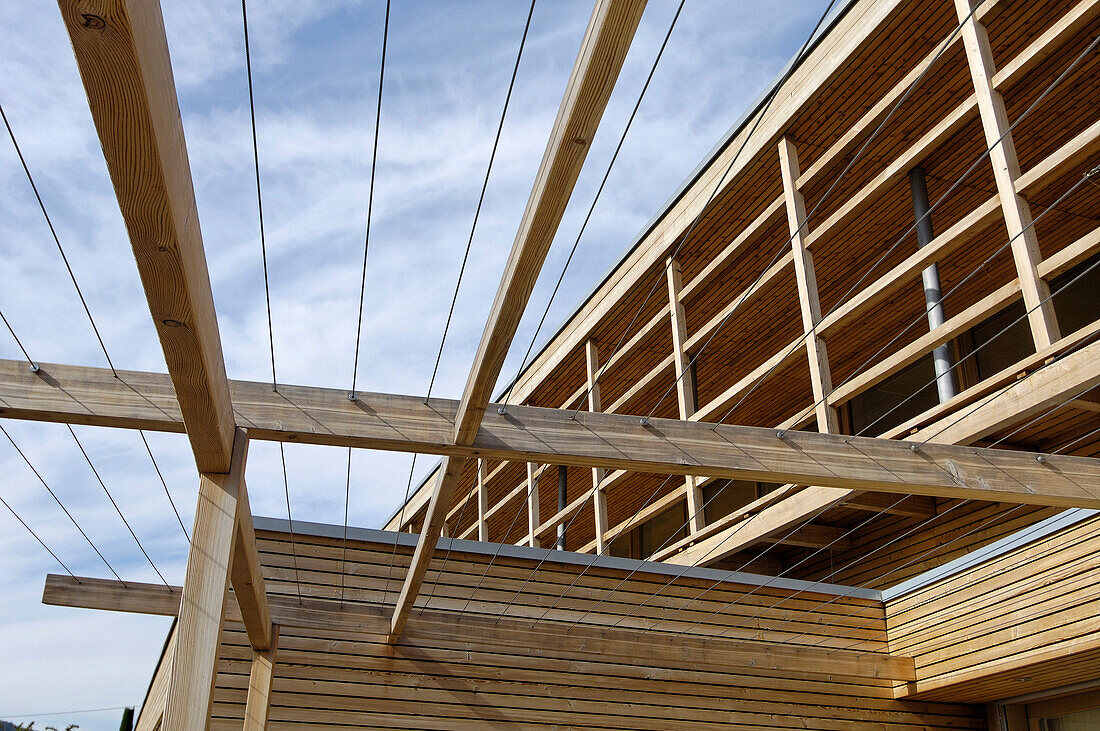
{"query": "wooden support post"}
[(599, 496), (258, 700), (1006, 171), (685, 383), (808, 301), (532, 505), (482, 501), (205, 588)]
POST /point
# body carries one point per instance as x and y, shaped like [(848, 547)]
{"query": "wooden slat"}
[(685, 381), (599, 495), (1006, 171), (122, 55), (260, 677), (808, 300)]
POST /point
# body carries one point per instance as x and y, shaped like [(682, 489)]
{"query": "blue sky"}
[(315, 68)]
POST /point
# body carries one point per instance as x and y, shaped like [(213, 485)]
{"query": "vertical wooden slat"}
[(1006, 171), (685, 382), (808, 301), (482, 501), (532, 504), (599, 496)]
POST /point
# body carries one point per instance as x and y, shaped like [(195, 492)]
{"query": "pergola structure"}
[(840, 654)]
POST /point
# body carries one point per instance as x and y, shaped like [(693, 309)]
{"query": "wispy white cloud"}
[(315, 66)]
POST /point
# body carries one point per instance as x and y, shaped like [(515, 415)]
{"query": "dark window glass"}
[(898, 398), (668, 526), (1078, 304), (1002, 340), (722, 497)]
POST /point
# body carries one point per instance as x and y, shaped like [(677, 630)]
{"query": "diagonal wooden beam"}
[(122, 54), (603, 50), (592, 439)]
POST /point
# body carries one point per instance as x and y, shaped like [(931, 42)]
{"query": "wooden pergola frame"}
[(123, 58)]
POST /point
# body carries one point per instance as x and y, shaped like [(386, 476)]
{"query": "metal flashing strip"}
[(569, 558), (1032, 533)]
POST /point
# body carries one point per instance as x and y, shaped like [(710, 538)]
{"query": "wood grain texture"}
[(122, 55), (603, 50), (663, 446), (260, 678), (205, 589), (808, 300), (1006, 171)]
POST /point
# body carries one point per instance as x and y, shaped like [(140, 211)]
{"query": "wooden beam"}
[(122, 55), (685, 382), (260, 677), (247, 578), (599, 495), (205, 588), (813, 535), (112, 596), (877, 502), (448, 479), (1006, 171), (603, 50), (482, 502), (808, 300), (554, 436), (532, 506)]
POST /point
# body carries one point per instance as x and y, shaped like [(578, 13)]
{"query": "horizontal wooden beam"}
[(553, 436), (660, 649)]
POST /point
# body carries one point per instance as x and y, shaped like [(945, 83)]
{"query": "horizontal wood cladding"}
[(1026, 621), (512, 675)]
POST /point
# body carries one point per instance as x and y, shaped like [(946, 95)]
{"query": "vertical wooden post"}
[(259, 686), (820, 377), (599, 497), (532, 505), (1006, 169), (205, 587), (482, 502), (685, 383)]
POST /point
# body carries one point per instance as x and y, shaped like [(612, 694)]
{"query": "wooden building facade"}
[(818, 453)]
